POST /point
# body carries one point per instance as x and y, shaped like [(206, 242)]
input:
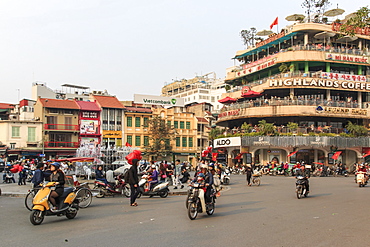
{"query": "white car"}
[(122, 166)]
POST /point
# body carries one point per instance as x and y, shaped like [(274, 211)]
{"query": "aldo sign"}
[(227, 142)]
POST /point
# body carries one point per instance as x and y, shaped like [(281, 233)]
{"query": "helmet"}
[(56, 165), (153, 166), (203, 166), (201, 175)]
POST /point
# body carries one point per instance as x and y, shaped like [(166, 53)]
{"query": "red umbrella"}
[(251, 94), (227, 100)]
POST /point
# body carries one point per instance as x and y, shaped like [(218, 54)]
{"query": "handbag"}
[(164, 176)]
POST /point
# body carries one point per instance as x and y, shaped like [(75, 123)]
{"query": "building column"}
[(305, 40), (359, 71), (360, 44), (327, 94), (315, 155), (359, 99), (306, 67), (291, 93), (328, 67)]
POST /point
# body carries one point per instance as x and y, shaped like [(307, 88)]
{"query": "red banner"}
[(336, 155), (276, 21), (291, 154), (214, 156)]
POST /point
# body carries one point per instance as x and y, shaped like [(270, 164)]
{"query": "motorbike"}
[(120, 187), (339, 171), (9, 178), (159, 189), (273, 171), (225, 176), (196, 201), (67, 204), (256, 177), (361, 179), (29, 176), (301, 187)]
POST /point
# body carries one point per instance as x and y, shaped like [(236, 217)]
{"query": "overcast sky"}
[(127, 46)]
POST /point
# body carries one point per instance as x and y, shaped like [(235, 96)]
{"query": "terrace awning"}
[(227, 100)]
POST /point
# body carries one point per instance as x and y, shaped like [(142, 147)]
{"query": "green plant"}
[(356, 130), (227, 87), (292, 126), (266, 128), (283, 68), (246, 127), (361, 19)]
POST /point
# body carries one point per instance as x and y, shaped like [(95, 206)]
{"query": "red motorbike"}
[(120, 187)]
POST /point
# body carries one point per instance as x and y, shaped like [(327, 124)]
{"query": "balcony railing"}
[(61, 145), (61, 127)]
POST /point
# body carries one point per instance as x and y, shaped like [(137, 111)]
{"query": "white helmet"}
[(203, 166)]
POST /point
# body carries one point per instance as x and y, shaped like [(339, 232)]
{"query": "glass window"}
[(177, 141), (16, 131), (188, 125), (146, 140), (176, 124), (31, 134), (137, 140), (146, 120), (137, 122), (129, 121), (184, 143), (169, 123), (182, 126), (129, 140), (190, 142)]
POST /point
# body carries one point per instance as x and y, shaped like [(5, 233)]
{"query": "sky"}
[(127, 46)]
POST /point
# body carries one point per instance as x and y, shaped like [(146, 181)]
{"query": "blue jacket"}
[(38, 177)]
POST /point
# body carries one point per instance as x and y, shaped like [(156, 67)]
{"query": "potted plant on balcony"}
[(283, 68), (292, 127)]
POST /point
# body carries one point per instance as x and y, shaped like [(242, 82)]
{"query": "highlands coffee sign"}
[(227, 142), (320, 83), (158, 100)]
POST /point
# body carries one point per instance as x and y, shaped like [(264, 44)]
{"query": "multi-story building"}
[(68, 91), (112, 114), (308, 75), (197, 90), (89, 123), (60, 133)]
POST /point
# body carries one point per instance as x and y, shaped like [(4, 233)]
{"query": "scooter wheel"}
[(163, 194), (36, 217), (71, 215)]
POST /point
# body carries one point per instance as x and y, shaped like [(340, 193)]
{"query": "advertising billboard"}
[(89, 127), (158, 100), (91, 142)]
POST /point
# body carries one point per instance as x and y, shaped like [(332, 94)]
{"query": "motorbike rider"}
[(153, 179), (305, 173), (100, 175), (208, 181), (58, 177), (362, 168)]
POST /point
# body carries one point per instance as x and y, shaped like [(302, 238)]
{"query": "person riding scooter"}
[(56, 176), (153, 179), (362, 168), (208, 181), (306, 174)]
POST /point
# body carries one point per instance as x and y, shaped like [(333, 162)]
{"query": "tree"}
[(283, 68), (160, 136), (246, 127), (266, 128), (227, 87), (292, 126), (360, 20), (248, 36), (315, 6), (214, 133), (356, 130)]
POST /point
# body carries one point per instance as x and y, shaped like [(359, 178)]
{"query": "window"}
[(54, 111), (16, 131), (12, 145), (68, 123), (68, 112), (129, 121), (184, 142), (190, 142), (188, 125), (146, 120), (176, 124), (182, 126), (177, 141), (129, 140), (146, 140), (167, 143), (31, 134), (169, 123), (137, 122), (137, 140)]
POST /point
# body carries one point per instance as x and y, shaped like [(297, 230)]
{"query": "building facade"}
[(309, 82)]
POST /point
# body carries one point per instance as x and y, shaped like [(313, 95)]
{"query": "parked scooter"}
[(67, 204), (301, 187), (361, 179), (196, 201), (120, 187), (9, 178), (160, 189)]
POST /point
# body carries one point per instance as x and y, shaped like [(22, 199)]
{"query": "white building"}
[(201, 89), (69, 91)]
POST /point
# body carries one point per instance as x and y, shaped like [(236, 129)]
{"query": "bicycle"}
[(28, 201)]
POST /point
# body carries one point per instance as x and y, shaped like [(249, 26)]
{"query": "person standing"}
[(38, 176), (133, 181), (177, 173), (248, 172)]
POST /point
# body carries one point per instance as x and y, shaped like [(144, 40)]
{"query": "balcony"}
[(61, 145), (63, 127)]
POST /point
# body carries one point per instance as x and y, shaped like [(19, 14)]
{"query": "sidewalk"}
[(14, 190)]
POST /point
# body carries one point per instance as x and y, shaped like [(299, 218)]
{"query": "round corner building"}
[(311, 83)]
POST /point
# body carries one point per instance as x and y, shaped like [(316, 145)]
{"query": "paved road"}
[(335, 214)]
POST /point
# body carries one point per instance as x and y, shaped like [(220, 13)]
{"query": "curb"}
[(12, 194)]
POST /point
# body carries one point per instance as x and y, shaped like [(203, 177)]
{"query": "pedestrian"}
[(38, 176), (248, 172), (133, 181), (176, 176)]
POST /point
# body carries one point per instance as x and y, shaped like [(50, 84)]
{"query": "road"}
[(334, 214)]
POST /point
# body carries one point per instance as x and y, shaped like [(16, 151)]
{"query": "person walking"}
[(133, 181), (248, 172)]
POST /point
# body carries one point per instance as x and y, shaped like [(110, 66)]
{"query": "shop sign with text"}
[(229, 113), (346, 77), (346, 58), (112, 134), (341, 110), (227, 142)]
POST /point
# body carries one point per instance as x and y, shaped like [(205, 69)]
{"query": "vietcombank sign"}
[(158, 100)]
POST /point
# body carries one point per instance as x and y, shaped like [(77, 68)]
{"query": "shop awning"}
[(227, 100)]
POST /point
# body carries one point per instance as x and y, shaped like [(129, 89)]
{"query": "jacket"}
[(58, 177), (38, 177), (132, 175)]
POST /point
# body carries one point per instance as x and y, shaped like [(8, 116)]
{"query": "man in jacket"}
[(38, 176), (133, 181)]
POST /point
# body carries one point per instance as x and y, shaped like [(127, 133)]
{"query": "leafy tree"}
[(315, 6), (246, 127), (361, 19), (283, 68), (356, 130), (292, 126), (227, 87), (248, 36), (214, 133), (266, 128), (160, 138)]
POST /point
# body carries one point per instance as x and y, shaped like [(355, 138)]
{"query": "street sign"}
[(41, 155)]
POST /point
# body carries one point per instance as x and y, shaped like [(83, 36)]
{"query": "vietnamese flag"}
[(128, 144), (336, 155), (276, 21), (291, 154), (366, 154), (214, 156)]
